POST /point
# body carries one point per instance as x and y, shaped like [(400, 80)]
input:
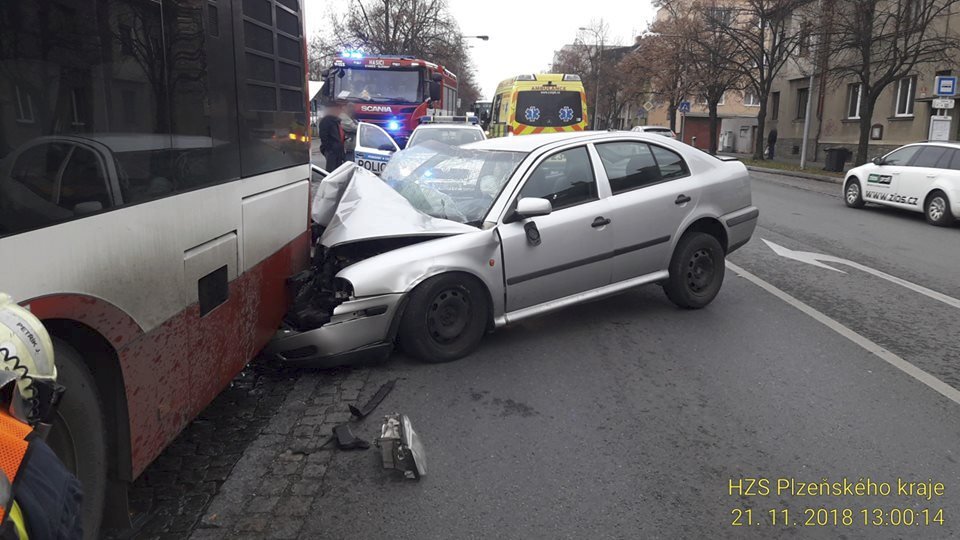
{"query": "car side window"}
[(84, 182), (37, 168), (671, 164), (901, 157), (929, 156), (565, 179), (955, 161), (629, 165), (371, 137)]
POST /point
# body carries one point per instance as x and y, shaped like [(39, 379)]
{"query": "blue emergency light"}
[(393, 125), (352, 54)]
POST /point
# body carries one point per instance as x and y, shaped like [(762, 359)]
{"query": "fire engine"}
[(392, 92)]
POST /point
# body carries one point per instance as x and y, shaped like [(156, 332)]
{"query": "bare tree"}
[(713, 57), (663, 57), (597, 63), (879, 42), (765, 35), (421, 28)]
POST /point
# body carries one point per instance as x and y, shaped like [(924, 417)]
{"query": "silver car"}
[(453, 242)]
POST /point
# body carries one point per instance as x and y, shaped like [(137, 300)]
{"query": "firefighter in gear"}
[(39, 497)]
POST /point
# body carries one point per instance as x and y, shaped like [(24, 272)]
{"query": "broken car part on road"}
[(400, 447), (370, 405)]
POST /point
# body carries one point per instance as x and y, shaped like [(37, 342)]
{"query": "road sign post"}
[(684, 108)]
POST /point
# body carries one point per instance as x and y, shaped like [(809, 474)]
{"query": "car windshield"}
[(449, 182), (378, 85), (452, 136)]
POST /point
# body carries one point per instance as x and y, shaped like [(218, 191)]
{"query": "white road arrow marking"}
[(816, 258)]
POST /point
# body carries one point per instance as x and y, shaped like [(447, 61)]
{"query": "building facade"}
[(902, 114)]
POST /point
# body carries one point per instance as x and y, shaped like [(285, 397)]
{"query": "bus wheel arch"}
[(101, 360)]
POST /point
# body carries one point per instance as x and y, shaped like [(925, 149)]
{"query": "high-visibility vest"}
[(14, 443)]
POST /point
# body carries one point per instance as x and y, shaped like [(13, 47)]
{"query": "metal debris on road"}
[(400, 447), (346, 440)]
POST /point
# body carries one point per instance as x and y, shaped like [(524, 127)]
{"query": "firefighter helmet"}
[(27, 350)]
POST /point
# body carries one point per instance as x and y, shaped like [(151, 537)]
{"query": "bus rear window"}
[(549, 108)]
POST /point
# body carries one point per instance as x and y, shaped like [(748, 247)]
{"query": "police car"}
[(375, 146), (451, 130), (922, 177)]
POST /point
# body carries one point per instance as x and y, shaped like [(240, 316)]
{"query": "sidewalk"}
[(790, 166)]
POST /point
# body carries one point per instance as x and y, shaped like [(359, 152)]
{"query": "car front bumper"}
[(360, 330), (740, 226)]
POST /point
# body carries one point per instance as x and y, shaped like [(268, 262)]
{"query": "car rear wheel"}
[(445, 319), (937, 210), (853, 195), (696, 271), (78, 435)]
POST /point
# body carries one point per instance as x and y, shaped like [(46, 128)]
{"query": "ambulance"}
[(538, 103)]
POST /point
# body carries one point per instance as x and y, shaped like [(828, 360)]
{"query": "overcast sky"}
[(523, 33)]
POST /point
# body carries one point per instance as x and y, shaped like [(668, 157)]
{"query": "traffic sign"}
[(945, 86), (944, 103), (684, 107), (648, 106)]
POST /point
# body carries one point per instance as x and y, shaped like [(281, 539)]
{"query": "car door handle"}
[(600, 222), (682, 199)]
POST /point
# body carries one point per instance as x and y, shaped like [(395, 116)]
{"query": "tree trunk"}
[(714, 124), (866, 117), (761, 128), (672, 113)]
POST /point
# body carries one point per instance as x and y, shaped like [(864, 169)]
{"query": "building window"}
[(775, 103), (906, 91), (803, 95), (24, 106), (750, 99), (806, 38), (854, 94)]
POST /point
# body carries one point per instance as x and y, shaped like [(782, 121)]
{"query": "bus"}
[(538, 103), (154, 180), (392, 92)]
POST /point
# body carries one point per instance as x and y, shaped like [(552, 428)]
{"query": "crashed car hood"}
[(353, 204)]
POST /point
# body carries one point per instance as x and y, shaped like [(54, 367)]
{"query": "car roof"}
[(529, 143), (451, 125)]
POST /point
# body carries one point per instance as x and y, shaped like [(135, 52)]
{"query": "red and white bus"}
[(154, 180)]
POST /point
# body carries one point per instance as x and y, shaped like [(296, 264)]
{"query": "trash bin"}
[(837, 159)]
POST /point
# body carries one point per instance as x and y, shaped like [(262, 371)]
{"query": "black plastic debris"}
[(370, 405)]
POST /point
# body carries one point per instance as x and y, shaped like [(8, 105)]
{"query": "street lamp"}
[(598, 37)]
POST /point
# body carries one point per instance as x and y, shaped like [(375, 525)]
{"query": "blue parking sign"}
[(946, 86), (684, 107)]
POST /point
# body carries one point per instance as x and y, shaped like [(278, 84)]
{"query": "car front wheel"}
[(445, 319), (696, 271), (937, 210), (853, 195)]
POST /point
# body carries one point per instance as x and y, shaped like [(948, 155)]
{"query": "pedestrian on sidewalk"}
[(332, 136), (348, 119), (772, 143)]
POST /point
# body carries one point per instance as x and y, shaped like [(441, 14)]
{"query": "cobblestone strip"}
[(271, 488)]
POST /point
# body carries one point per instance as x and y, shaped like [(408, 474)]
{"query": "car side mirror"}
[(88, 207), (878, 161), (436, 90), (529, 207)]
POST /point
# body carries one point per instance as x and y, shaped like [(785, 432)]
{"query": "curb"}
[(797, 174)]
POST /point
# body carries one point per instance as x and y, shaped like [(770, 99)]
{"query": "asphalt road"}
[(628, 418)]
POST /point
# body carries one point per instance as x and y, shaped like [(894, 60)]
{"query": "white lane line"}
[(943, 388), (816, 258)]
